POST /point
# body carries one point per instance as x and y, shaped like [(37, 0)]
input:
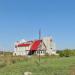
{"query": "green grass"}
[(47, 66)]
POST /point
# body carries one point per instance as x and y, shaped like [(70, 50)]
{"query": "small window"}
[(41, 51), (51, 48), (37, 52)]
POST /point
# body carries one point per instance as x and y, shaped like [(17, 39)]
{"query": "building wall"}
[(21, 50), (41, 52), (50, 45)]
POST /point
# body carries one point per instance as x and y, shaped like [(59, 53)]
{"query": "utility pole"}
[(40, 45)]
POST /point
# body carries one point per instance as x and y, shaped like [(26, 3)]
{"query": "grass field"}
[(48, 65)]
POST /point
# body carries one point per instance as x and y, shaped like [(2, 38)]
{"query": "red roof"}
[(23, 45), (35, 45)]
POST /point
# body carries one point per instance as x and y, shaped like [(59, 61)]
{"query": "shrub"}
[(61, 53), (2, 64), (67, 53)]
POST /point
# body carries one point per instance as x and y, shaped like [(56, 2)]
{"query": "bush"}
[(67, 53), (61, 53), (2, 64)]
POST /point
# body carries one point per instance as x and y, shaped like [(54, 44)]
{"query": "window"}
[(51, 48), (41, 52)]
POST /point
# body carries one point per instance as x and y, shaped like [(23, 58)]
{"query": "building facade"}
[(43, 46)]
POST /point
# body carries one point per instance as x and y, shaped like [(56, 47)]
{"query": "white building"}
[(43, 46)]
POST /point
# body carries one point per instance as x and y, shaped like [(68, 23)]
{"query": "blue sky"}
[(23, 18)]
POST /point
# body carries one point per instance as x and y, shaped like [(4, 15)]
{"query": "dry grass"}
[(9, 59), (49, 65)]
